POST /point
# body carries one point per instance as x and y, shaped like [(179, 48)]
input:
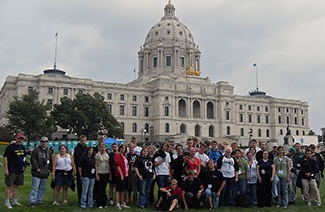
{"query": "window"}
[(241, 132), (267, 133), (65, 91), (302, 112), (241, 117), (146, 99), (258, 119), (155, 62), (50, 91), (167, 128), (303, 132), (279, 109), (122, 125), (228, 130), (196, 109), (166, 111), (146, 127), (182, 61), (281, 132), (122, 97), (146, 111), (134, 98), (210, 112), (80, 91), (109, 108), (288, 120), (211, 131), (183, 128), (287, 110), (250, 118), (295, 110), (266, 119), (227, 115), (297, 132), (258, 108), (30, 89), (303, 122), (121, 110), (197, 131), (134, 127), (240, 107), (168, 61), (266, 109), (134, 110), (296, 120), (182, 108), (249, 107), (109, 96), (259, 132), (50, 103), (279, 120)]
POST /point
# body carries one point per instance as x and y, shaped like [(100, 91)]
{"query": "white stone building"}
[(169, 99)]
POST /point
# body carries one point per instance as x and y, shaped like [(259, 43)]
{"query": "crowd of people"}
[(196, 175)]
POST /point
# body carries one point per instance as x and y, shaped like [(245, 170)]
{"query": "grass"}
[(23, 198)]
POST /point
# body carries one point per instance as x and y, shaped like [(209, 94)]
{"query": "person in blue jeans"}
[(143, 167), (213, 183), (87, 175)]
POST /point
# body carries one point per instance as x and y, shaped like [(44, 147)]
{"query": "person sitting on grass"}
[(171, 197)]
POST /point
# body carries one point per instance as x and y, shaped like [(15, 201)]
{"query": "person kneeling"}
[(192, 191), (171, 197)]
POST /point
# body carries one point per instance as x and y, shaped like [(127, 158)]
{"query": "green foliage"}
[(6, 134), (88, 115), (28, 115)]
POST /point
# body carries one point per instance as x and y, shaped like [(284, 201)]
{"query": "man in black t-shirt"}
[(192, 191), (14, 164)]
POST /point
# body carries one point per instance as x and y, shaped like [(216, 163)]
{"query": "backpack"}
[(242, 201)]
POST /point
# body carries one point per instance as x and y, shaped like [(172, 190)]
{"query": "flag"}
[(254, 64), (56, 34), (134, 70)]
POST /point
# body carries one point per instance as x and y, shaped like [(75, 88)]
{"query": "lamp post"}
[(143, 132), (152, 131), (250, 134)]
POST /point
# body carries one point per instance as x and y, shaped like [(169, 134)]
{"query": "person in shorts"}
[(14, 164)]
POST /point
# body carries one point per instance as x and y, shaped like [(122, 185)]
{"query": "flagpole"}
[(134, 73), (56, 49), (256, 78)]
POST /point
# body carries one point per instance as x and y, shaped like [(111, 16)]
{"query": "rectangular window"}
[(65, 91), (50, 103), (258, 108), (302, 111), (166, 111), (249, 107), (240, 107), (241, 118), (50, 91), (279, 109), (250, 118), (122, 97), (134, 110), (146, 111), (279, 120), (155, 62), (121, 110), (266, 119), (227, 115), (168, 61), (296, 120), (266, 109), (146, 99), (109, 107), (303, 122), (134, 98), (258, 119), (182, 61), (109, 96)]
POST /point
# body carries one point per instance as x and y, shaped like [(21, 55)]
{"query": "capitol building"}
[(169, 98)]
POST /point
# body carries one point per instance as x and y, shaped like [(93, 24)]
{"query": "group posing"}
[(201, 175)]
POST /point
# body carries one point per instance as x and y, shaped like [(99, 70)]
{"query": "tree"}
[(88, 115), (28, 115)]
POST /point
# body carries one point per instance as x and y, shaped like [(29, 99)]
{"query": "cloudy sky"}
[(99, 39)]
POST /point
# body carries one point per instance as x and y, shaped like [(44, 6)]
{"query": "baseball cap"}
[(292, 149), (44, 139), (20, 136), (312, 146)]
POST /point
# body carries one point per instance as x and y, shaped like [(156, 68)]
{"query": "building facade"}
[(170, 99)]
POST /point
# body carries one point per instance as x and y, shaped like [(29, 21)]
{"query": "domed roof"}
[(169, 28)]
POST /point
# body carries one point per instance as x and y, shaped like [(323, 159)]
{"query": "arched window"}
[(146, 127), (211, 131), (167, 128), (197, 130), (181, 108), (297, 132), (267, 133), (134, 127), (210, 112), (183, 128), (196, 109), (281, 132)]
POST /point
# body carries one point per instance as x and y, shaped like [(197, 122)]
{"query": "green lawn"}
[(23, 197)]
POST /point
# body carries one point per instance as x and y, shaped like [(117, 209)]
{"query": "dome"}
[(169, 28), (169, 48)]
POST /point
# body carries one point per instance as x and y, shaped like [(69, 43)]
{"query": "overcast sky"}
[(99, 39)]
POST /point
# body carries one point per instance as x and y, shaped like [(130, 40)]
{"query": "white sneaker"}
[(111, 202), (100, 207), (8, 205), (309, 203), (319, 204), (124, 206), (16, 204), (118, 206)]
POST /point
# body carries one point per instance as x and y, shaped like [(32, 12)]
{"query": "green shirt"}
[(243, 169), (281, 166)]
